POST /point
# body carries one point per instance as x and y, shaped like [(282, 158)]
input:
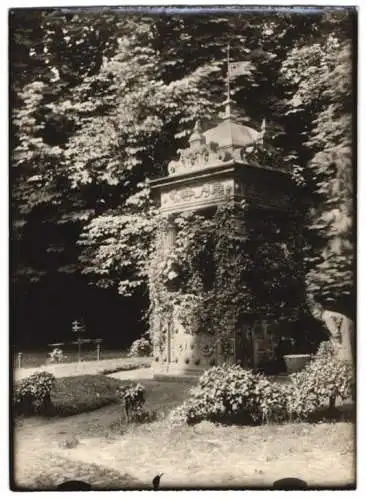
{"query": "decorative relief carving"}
[(228, 346), (212, 190), (208, 350), (203, 156), (196, 158)]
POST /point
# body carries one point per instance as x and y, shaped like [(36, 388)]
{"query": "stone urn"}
[(296, 362)]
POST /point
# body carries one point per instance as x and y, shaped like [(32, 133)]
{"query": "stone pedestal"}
[(190, 355)]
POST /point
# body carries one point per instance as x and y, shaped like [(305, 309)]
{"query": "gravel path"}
[(42, 459), (90, 368), (39, 463), (205, 455)]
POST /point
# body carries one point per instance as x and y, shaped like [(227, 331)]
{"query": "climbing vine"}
[(222, 267)]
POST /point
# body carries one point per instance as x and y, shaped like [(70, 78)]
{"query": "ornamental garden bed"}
[(79, 394)]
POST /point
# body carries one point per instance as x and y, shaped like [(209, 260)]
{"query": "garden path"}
[(91, 368), (205, 455)]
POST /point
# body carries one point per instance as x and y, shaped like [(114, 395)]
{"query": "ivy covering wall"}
[(224, 267)]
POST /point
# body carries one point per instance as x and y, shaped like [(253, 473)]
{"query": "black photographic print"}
[(182, 186)]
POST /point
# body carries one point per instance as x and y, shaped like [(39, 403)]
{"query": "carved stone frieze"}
[(197, 158), (209, 191)]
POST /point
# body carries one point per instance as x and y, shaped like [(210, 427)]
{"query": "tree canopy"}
[(102, 101)]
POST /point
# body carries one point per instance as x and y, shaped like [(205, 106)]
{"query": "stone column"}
[(169, 238)]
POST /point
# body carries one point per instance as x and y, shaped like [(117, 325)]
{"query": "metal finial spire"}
[(228, 100), (197, 126), (228, 71)]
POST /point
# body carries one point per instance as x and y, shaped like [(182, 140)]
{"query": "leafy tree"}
[(50, 47), (103, 101), (322, 98), (170, 72)]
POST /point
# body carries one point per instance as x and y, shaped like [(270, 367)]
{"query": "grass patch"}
[(86, 393), (189, 456), (83, 393), (254, 456)]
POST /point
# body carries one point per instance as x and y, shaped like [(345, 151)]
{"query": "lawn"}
[(205, 455), (83, 393)]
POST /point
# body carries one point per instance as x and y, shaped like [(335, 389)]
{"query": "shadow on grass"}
[(127, 367), (342, 413), (75, 475)]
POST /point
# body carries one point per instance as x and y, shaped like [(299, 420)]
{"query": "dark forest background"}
[(100, 103)]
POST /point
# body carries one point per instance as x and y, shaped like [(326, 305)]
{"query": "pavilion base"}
[(166, 377)]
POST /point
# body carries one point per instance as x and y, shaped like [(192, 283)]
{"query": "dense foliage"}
[(132, 399), (319, 385), (140, 347), (33, 394), (230, 394), (101, 102), (324, 94), (219, 273)]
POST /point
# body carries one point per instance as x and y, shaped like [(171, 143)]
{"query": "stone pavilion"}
[(226, 162)]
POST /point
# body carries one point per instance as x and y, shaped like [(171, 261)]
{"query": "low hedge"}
[(230, 394), (126, 368)]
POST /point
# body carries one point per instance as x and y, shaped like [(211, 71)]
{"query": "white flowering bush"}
[(140, 347), (33, 394), (179, 416), (132, 398), (57, 356), (323, 380), (232, 394)]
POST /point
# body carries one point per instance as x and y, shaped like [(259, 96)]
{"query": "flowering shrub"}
[(141, 347), (132, 399), (33, 394), (57, 356), (230, 393), (326, 350), (320, 383), (179, 416)]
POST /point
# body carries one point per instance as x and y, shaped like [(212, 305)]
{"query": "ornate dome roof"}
[(225, 142), (231, 134)]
